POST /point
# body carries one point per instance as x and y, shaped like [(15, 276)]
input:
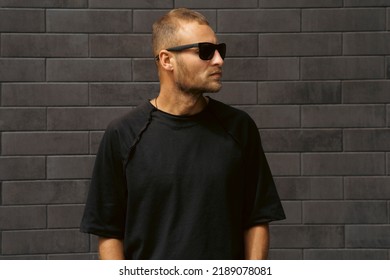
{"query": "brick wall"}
[(314, 75)]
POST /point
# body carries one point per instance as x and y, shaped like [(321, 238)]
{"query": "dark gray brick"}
[(22, 119), (23, 257), (64, 216), (281, 69), (388, 19), (82, 256), (343, 116), (21, 168), (130, 4), (144, 19), (13, 20), (299, 92), (44, 45), (237, 93), (132, 45), (367, 43), (300, 3), (70, 167), (240, 45), (285, 254), (93, 70), (344, 212), (366, 3), (343, 164), (389, 210), (82, 118), (94, 241), (282, 164), (220, 4), (144, 70), (299, 44), (367, 188), (276, 140), (23, 70), (342, 68), (255, 69), (95, 138), (388, 115), (366, 92), (40, 94), (45, 143), (45, 3), (343, 19), (388, 63), (258, 20), (274, 116), (93, 21), (308, 188), (345, 254), (388, 163), (367, 236), (367, 140), (294, 210), (307, 236), (44, 192), (122, 94), (22, 217), (44, 241)]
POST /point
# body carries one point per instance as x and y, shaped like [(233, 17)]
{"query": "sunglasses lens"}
[(207, 50), (222, 50)]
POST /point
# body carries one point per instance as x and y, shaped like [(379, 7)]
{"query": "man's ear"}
[(165, 60)]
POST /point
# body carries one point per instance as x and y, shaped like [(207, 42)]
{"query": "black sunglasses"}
[(206, 50)]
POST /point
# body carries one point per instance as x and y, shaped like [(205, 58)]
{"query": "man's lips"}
[(217, 73)]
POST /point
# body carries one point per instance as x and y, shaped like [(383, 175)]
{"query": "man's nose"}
[(217, 59)]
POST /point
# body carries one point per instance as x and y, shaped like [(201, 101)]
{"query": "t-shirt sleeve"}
[(105, 209), (262, 202)]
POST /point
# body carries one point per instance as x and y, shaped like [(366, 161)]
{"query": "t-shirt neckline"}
[(178, 120)]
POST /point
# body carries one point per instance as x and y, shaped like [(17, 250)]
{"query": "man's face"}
[(192, 74)]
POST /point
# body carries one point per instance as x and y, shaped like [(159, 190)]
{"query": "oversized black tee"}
[(181, 187)]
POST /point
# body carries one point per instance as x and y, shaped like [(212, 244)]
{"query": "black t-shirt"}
[(181, 187)]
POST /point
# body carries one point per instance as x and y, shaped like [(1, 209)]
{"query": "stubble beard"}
[(185, 85), (197, 90)]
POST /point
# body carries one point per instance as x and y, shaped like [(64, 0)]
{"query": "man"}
[(182, 176)]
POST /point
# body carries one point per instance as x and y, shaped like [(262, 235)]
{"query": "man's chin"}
[(210, 88), (215, 88)]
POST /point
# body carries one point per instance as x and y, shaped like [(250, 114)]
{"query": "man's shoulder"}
[(230, 115), (235, 121), (134, 120), (125, 130)]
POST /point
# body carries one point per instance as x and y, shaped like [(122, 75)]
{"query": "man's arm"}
[(111, 249), (256, 241)]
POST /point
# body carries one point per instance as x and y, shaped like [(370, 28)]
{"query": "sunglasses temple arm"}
[(180, 48)]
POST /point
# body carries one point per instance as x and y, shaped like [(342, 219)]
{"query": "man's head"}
[(192, 69), (165, 29)]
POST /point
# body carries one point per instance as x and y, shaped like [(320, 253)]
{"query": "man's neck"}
[(180, 104)]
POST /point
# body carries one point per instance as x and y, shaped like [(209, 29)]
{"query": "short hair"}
[(165, 29)]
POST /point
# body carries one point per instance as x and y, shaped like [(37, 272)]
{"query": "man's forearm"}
[(111, 249), (256, 241)]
